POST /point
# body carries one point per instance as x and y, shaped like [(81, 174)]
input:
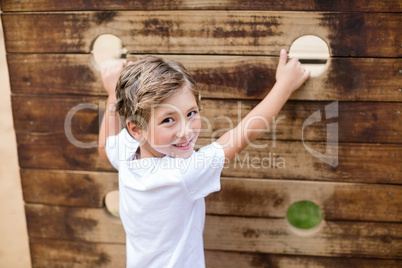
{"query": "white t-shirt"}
[(162, 202)]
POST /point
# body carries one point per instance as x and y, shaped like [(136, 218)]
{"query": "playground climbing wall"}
[(337, 143)]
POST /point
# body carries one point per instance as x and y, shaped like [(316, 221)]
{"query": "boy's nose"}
[(185, 130)]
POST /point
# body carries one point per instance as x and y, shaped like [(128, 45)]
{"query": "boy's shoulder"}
[(120, 147)]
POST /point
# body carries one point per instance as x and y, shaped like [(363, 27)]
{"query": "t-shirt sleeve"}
[(120, 147), (203, 172)]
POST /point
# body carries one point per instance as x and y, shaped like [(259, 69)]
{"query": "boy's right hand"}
[(110, 73), (290, 74)]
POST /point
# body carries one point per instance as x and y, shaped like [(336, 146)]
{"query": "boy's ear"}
[(134, 131)]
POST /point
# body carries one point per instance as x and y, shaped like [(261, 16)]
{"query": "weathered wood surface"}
[(231, 54), (70, 223), (222, 259), (67, 188), (293, 5), (338, 201), (239, 197), (239, 77), (338, 238), (79, 254), (76, 254), (370, 122), (358, 162), (196, 32)]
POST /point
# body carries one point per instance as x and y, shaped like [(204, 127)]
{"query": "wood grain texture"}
[(338, 238), (237, 77), (358, 162), (67, 188), (76, 254), (232, 53), (80, 254), (343, 239), (196, 32), (338, 201), (238, 196), (225, 259), (294, 5), (370, 122), (71, 223)]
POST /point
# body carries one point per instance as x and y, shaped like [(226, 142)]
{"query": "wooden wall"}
[(231, 48)]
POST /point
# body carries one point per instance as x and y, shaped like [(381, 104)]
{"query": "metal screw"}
[(391, 175), (400, 71), (393, 155), (395, 134), (389, 193), (31, 122), (387, 213), (398, 112), (400, 90), (22, 42), (25, 61)]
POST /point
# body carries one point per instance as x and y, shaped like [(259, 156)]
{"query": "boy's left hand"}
[(290, 74)]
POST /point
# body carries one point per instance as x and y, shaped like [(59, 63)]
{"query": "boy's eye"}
[(167, 120), (192, 113)]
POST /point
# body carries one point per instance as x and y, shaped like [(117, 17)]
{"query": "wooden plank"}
[(196, 32), (54, 151), (357, 121), (80, 114), (338, 201), (238, 197), (225, 259), (76, 254), (70, 223), (67, 188), (240, 77), (293, 5), (357, 162), (343, 239)]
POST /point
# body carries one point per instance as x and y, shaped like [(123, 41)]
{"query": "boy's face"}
[(173, 127)]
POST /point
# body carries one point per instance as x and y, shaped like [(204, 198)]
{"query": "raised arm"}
[(290, 75), (111, 124)]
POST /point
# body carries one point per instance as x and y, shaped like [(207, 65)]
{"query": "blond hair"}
[(147, 83)]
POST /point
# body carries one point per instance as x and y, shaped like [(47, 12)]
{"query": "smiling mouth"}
[(183, 145)]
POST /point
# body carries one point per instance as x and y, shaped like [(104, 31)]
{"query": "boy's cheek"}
[(196, 125)]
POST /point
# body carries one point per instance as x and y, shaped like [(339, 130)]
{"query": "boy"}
[(162, 180)]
